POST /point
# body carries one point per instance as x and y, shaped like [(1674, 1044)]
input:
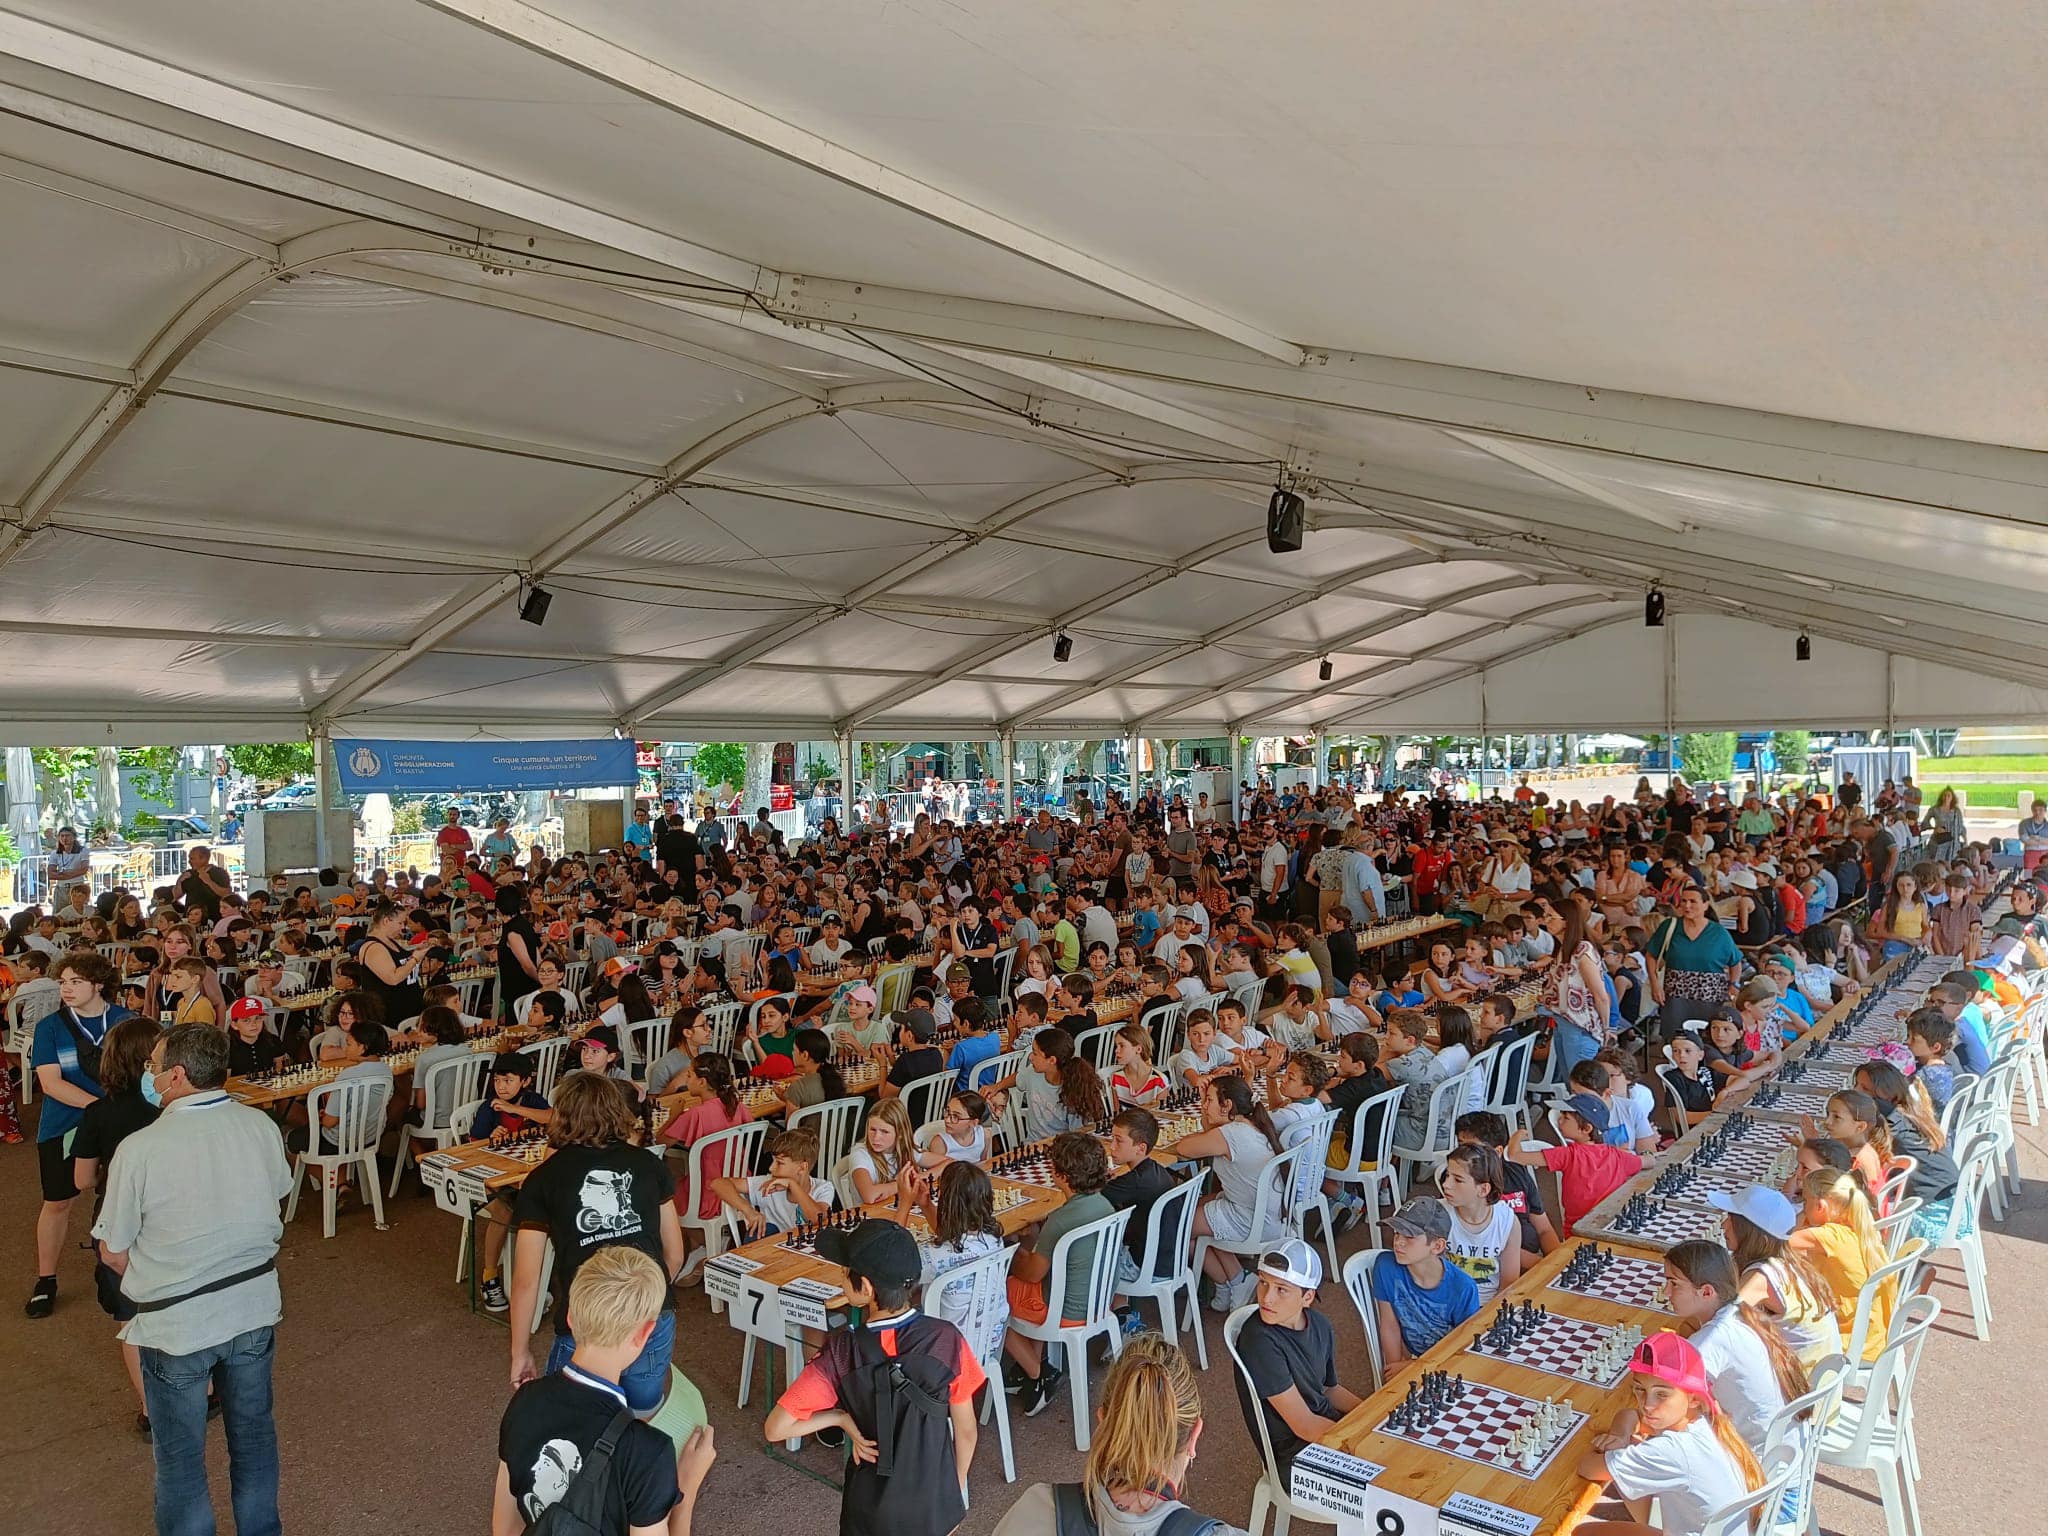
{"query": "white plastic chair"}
[(987, 1303), (457, 1080), (21, 1040), (1897, 1275), (1271, 1490), (1737, 1517), (470, 994), (641, 1043), (1507, 1089), (1313, 1142), (1796, 1429), (924, 1098), (459, 1123), (842, 1183), (1098, 1317), (1895, 1230), (835, 1122), (723, 1020), (1976, 1168), (1098, 1045), (358, 1105), (1358, 1286), (1873, 1433), (726, 1154), (547, 1063), (1446, 1103), (1272, 1206), (1895, 1182), (1169, 1233), (1167, 1025), (1369, 1156)]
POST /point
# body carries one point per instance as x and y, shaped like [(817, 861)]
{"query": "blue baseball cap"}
[(1589, 1107)]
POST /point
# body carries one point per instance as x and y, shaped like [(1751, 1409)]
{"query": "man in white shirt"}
[(1273, 873), (191, 1226)]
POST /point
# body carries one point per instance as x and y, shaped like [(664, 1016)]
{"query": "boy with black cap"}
[(901, 1386), (1290, 1353), (1418, 1296), (916, 1056), (1588, 1169)]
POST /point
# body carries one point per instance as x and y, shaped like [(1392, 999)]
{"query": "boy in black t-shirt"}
[(1290, 1352), (1136, 1183), (916, 1056), (551, 1430), (1520, 1194), (901, 1382)]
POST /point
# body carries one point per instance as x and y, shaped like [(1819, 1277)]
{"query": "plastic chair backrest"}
[(462, 1117), (974, 1297), (1167, 1024), (1108, 1235), (1098, 1045), (1446, 1103), (892, 987), (1273, 1203), (1358, 1286), (572, 976), (995, 1068), (1667, 1076), (1250, 993), (547, 1057), (1890, 1383), (924, 1098), (1509, 1084), (643, 1042), (358, 1105), (1887, 1280), (448, 1083), (875, 947), (837, 1123), (723, 1020), (1312, 1140), (726, 1154), (1005, 963), (1734, 1518), (1799, 1424), (1233, 1326), (1169, 1229), (1902, 1170), (842, 1183), (1370, 1141), (1894, 1230)]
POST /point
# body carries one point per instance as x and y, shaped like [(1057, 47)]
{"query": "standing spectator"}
[(202, 885), (677, 847), (452, 841), (191, 1226), (65, 1058), (70, 865), (501, 844)]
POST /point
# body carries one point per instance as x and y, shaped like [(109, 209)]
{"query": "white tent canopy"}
[(825, 362)]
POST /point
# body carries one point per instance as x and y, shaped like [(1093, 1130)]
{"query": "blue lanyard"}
[(598, 1382)]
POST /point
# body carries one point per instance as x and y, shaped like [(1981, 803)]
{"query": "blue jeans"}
[(174, 1392), (1571, 1045), (646, 1380)]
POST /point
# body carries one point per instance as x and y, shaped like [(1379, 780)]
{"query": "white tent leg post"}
[(1007, 749), (1131, 764), (323, 796)]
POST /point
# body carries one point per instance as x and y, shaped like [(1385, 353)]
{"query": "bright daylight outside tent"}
[(330, 331)]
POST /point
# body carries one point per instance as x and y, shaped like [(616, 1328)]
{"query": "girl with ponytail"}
[(1838, 1235), (1239, 1139), (1753, 1370), (1915, 1133), (1137, 1469), (1777, 1280), (1675, 1446)]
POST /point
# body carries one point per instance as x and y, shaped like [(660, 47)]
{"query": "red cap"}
[(1673, 1361), (246, 1008)]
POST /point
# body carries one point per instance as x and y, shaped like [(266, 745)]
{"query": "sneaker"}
[(42, 1301), (835, 1437), (1015, 1382), (1043, 1391), (1349, 1213), (1133, 1323), (492, 1294), (1223, 1300)]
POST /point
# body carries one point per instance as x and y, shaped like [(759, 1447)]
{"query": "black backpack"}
[(580, 1511), (1071, 1516), (903, 1403)]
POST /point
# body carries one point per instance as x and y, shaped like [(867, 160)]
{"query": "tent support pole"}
[(1670, 705), (848, 790), (1006, 745), (323, 793), (1131, 764), (1891, 699), (1485, 736)]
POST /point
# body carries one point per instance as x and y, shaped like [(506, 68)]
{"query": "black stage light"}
[(533, 607), (1653, 609), (1063, 647), (1323, 672), (1803, 651), (1283, 522)]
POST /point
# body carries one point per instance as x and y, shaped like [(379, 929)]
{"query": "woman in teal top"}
[(1693, 963)]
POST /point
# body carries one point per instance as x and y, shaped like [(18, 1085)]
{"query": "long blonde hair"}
[(891, 1113), (1151, 1407), (1842, 1198)]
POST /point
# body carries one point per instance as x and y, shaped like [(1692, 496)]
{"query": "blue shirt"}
[(970, 1052), (640, 835), (1385, 1000), (1424, 1316), (1973, 1051), (55, 1047), (488, 1119), (1144, 927)]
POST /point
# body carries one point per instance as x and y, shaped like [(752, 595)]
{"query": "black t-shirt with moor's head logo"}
[(587, 1197)]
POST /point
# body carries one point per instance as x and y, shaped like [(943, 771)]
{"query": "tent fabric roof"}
[(327, 329)]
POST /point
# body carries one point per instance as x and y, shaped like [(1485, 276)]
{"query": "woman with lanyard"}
[(393, 966), (1693, 962), (1576, 990), (69, 865)]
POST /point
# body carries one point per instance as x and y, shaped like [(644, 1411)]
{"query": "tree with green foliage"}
[(273, 762), (719, 762), (1792, 749), (1707, 756)]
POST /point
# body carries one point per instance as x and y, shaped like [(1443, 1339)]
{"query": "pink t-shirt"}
[(691, 1127)]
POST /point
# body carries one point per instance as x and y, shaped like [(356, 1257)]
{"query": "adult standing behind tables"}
[(597, 1188), (202, 885), (70, 864), (518, 949), (452, 839), (1945, 821), (499, 843), (191, 1225), (1145, 1441), (65, 1058), (677, 847), (640, 834), (1363, 889), (394, 966), (1693, 964)]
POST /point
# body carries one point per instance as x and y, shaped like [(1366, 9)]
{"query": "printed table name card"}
[(804, 1299), (723, 1274), (1464, 1515), (1333, 1480)]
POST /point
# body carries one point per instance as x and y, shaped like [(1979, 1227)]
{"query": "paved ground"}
[(389, 1392)]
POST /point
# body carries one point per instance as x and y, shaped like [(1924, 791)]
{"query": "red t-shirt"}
[(816, 1391), (1587, 1173), (453, 837), (1792, 907)]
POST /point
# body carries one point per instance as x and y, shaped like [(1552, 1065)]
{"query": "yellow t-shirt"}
[(1911, 923), (1835, 1253), (196, 1009)]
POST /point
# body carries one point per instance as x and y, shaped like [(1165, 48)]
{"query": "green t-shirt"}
[(1067, 941), (1077, 1212)]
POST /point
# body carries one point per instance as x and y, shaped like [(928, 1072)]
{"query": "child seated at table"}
[(512, 1105), (1407, 1060), (979, 1040), (1689, 1079), (1255, 1052), (1290, 1353), (876, 1166), (1136, 1082), (963, 1134), (1418, 1295), (1396, 990), (789, 1193), (1674, 1446), (959, 1206), (1203, 1057), (1588, 1169), (1520, 1193), (1080, 1168)]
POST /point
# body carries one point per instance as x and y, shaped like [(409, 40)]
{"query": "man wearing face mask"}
[(190, 1223)]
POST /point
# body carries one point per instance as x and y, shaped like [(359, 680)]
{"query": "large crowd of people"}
[(1672, 934)]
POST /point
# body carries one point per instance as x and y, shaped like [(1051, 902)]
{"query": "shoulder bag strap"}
[(1070, 1511), (585, 1498)]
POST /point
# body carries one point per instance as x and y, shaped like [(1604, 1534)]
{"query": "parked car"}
[(170, 829), (293, 797)]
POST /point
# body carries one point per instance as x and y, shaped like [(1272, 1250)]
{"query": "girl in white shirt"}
[(1485, 1232), (1675, 1446), (1753, 1370), (963, 1134)]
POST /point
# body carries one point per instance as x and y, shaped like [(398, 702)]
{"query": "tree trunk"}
[(106, 789), (760, 772)]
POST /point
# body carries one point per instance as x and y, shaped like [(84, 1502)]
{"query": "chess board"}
[(1626, 1281), (1026, 1168), (1789, 1101), (1476, 1427), (1750, 1157), (1665, 1226), (1697, 1183), (1556, 1348)]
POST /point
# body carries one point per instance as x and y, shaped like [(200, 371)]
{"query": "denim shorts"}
[(645, 1381)]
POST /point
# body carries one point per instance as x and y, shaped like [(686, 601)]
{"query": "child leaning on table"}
[(1676, 1447), (1587, 1169), (787, 1194), (913, 1370)]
